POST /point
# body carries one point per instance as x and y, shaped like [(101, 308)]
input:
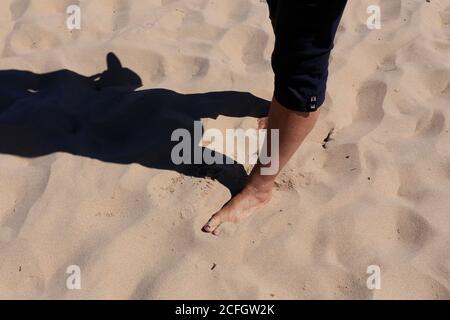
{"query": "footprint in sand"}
[(245, 45), (431, 126), (223, 13), (28, 36), (189, 67), (370, 111), (411, 184), (18, 8), (195, 27), (370, 101), (388, 63), (365, 234), (31, 35), (437, 81)]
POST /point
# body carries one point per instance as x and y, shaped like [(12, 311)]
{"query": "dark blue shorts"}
[(304, 37)]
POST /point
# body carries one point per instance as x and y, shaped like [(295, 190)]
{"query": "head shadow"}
[(103, 117)]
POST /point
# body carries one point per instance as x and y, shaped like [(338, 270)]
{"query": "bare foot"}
[(238, 208)]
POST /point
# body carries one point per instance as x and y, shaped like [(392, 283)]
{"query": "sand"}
[(85, 180)]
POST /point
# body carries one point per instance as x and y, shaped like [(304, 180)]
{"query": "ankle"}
[(261, 192), (260, 183)]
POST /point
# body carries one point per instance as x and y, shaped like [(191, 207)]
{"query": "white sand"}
[(379, 194)]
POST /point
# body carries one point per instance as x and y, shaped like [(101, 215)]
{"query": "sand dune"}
[(86, 179)]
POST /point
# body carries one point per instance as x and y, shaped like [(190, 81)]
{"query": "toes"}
[(212, 224), (217, 230)]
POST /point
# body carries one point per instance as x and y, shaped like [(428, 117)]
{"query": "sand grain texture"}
[(83, 180)]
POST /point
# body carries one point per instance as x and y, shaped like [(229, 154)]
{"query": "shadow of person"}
[(104, 117)]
